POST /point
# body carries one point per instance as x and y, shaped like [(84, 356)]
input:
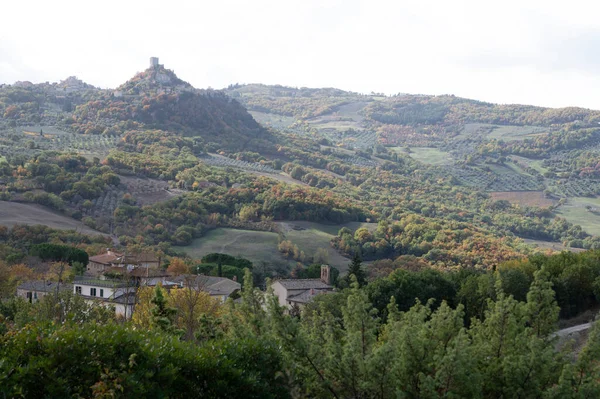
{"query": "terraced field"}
[(497, 178), (501, 132), (12, 213), (225, 162)]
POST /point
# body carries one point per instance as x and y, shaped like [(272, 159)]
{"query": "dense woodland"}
[(451, 301)]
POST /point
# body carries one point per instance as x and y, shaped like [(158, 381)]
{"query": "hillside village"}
[(112, 279)]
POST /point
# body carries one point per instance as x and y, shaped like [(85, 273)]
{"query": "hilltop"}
[(153, 99)]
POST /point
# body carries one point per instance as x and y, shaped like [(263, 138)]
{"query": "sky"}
[(543, 53)]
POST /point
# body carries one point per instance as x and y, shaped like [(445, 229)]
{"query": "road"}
[(570, 330)]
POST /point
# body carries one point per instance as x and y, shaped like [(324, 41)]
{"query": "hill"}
[(451, 181)]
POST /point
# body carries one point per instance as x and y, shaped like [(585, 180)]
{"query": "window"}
[(92, 292), (78, 289), (35, 296), (101, 293), (29, 296)]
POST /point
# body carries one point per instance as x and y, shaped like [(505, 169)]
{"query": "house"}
[(298, 292), (117, 293), (145, 259), (102, 263), (34, 291), (219, 288)]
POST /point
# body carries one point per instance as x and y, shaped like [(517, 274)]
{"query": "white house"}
[(115, 293), (298, 292)]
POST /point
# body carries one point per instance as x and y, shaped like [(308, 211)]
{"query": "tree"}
[(177, 266), (162, 314), (321, 256), (193, 305), (356, 270)]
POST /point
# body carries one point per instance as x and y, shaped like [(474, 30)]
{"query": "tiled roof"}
[(105, 259), (224, 287), (146, 257), (148, 272), (307, 296), (44, 286), (303, 284), (211, 284)]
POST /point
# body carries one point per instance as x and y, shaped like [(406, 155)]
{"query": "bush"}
[(92, 360)]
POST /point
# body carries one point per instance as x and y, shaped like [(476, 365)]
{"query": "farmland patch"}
[(426, 155), (584, 212), (13, 213), (523, 198), (256, 246)]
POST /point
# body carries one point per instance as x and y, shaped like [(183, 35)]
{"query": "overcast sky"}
[(530, 52)]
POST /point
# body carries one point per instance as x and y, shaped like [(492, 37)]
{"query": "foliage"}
[(94, 360)]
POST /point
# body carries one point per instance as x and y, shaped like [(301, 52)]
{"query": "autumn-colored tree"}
[(192, 304), (178, 266), (142, 315)]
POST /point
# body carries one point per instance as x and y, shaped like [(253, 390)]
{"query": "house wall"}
[(120, 309), (86, 290), (95, 268), (123, 311), (221, 298), (35, 295), (283, 293)]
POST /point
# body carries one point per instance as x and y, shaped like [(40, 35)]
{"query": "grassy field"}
[(262, 246), (12, 213), (253, 245), (575, 212), (523, 198), (426, 155), (311, 236), (532, 163), (273, 120)]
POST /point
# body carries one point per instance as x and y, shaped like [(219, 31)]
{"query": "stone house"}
[(34, 291), (298, 292), (102, 263)]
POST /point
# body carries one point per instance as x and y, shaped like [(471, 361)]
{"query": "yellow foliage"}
[(142, 315), (191, 305)]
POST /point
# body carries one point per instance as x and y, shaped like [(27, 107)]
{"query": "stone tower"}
[(326, 274), (153, 62)]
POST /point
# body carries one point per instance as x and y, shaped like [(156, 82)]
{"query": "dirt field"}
[(554, 246), (523, 198), (148, 191), (12, 213)]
